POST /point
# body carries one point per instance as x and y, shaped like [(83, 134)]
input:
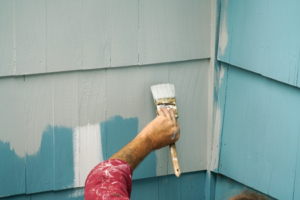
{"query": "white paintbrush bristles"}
[(163, 91)]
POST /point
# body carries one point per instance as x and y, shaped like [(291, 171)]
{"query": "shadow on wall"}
[(66, 155)]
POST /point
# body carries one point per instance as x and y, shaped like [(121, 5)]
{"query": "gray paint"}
[(7, 56), (95, 34), (92, 96), (191, 83), (51, 35), (124, 33), (65, 95), (64, 41), (12, 114), (38, 109), (30, 30), (173, 30)]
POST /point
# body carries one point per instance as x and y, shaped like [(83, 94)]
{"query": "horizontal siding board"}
[(173, 30), (258, 36), (260, 133), (57, 36)]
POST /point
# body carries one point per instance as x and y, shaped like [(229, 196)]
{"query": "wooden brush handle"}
[(175, 159)]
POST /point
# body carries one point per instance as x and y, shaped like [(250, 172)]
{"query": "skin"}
[(157, 134)]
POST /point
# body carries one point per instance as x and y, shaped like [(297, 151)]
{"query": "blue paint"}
[(18, 197), (39, 167), (187, 186), (146, 189), (64, 158), (210, 185), (70, 194), (192, 185), (103, 139), (227, 188), (296, 189), (221, 107), (263, 38), (260, 133), (169, 187), (12, 174), (120, 132)]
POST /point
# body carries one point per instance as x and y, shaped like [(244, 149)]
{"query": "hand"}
[(163, 130)]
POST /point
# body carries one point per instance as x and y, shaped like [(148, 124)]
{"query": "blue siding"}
[(145, 189), (192, 185), (227, 188), (260, 133), (20, 197), (72, 194), (39, 167), (187, 186), (262, 37)]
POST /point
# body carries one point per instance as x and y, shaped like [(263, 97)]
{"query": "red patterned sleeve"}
[(110, 179)]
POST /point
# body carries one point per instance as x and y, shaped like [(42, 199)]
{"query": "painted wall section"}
[(260, 36), (260, 138)]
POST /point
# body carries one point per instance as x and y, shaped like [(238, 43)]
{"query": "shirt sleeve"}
[(110, 179)]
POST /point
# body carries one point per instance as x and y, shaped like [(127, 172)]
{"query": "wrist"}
[(145, 139)]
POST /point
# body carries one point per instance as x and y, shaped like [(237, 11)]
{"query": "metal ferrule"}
[(167, 103)]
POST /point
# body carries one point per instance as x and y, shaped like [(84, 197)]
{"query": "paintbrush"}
[(164, 96)]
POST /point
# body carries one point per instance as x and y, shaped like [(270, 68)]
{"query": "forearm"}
[(135, 151)]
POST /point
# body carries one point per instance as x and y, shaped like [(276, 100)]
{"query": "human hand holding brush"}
[(160, 132), (164, 129)]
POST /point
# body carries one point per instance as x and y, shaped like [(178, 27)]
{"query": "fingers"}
[(172, 114), (166, 113), (159, 112)]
